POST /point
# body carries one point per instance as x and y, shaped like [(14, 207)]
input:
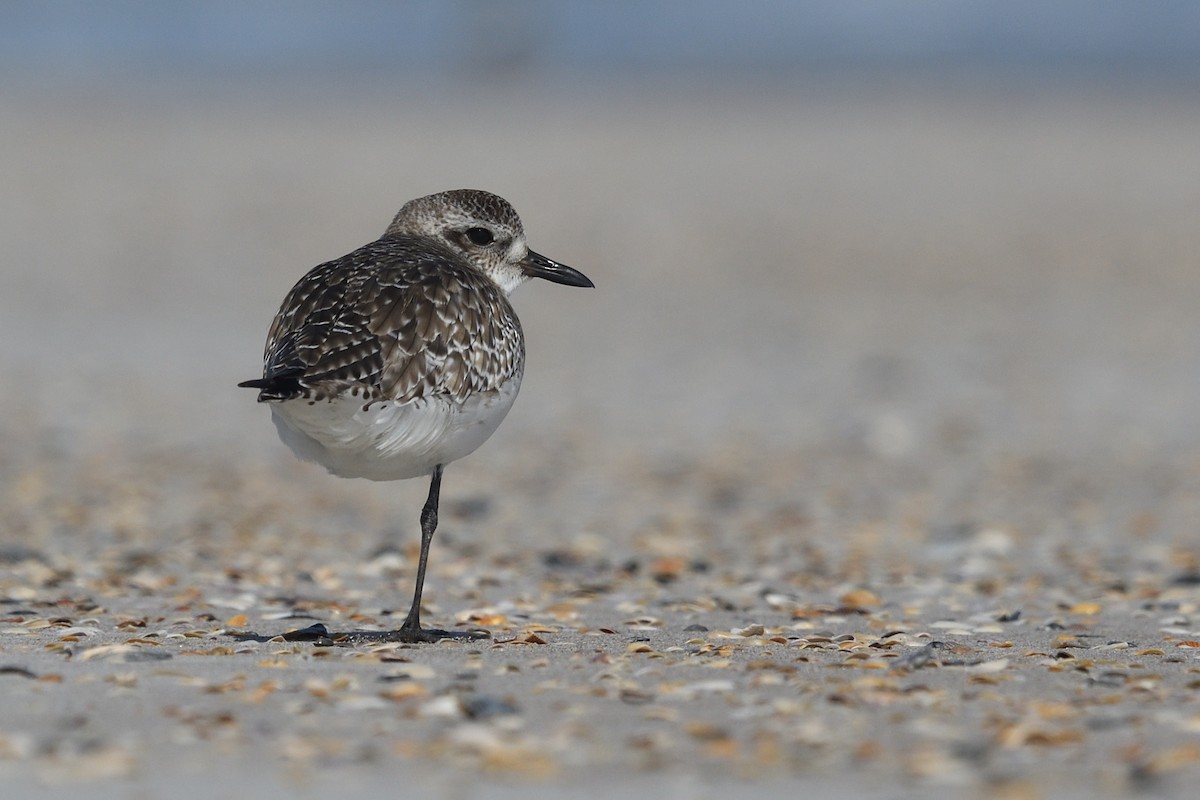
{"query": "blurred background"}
[(910, 250), (895, 310)]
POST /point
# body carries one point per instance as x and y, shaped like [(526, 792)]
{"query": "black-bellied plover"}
[(404, 355)]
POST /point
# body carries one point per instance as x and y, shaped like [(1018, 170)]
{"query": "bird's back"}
[(399, 319)]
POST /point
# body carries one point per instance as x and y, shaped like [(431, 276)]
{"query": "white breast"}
[(390, 441)]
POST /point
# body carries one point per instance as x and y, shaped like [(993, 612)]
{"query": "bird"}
[(405, 355)]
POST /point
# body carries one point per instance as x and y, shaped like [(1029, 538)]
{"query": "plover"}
[(404, 355)]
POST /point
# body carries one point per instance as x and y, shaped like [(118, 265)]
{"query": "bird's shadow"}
[(319, 635)]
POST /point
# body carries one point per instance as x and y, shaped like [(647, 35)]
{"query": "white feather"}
[(390, 441)]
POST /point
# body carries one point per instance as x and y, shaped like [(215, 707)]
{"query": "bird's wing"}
[(389, 322)]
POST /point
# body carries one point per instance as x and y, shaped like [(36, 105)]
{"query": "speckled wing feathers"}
[(392, 321)]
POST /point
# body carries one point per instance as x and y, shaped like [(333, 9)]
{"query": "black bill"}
[(536, 265)]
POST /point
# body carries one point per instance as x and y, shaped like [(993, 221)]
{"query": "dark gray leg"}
[(411, 630), (429, 521)]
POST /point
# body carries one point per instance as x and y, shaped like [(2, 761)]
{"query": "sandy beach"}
[(871, 467)]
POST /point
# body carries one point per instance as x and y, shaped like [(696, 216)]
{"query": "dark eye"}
[(480, 236)]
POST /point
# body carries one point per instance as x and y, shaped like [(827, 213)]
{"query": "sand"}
[(871, 467)]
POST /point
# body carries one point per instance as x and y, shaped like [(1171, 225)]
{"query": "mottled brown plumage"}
[(400, 319)]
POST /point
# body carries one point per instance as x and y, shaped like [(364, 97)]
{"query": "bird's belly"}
[(390, 441)]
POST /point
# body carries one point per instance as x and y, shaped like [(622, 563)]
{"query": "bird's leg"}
[(429, 520), (411, 630)]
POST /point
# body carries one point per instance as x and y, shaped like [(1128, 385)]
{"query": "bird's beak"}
[(536, 265)]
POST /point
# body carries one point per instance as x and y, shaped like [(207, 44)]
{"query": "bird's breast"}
[(389, 440)]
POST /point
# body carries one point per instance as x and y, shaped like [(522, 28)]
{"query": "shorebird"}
[(404, 355)]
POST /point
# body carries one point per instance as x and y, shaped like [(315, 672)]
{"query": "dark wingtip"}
[(280, 386)]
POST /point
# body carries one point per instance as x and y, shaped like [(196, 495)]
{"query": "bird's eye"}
[(480, 236)]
